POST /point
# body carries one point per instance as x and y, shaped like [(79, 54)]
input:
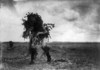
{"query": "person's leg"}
[(48, 57), (32, 58), (46, 50), (33, 55)]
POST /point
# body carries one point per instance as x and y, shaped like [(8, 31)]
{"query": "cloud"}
[(83, 8), (8, 3), (60, 9), (67, 16), (71, 19), (90, 25)]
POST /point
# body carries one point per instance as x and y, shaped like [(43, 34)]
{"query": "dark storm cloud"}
[(92, 23), (83, 8), (8, 3)]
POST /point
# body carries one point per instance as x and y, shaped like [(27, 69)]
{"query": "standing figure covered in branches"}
[(36, 31)]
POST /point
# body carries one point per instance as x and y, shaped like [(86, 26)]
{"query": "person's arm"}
[(45, 31), (42, 32)]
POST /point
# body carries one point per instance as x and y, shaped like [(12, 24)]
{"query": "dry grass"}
[(71, 56)]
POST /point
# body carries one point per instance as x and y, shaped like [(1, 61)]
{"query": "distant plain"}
[(69, 55)]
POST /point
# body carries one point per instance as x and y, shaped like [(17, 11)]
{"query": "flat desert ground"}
[(65, 56)]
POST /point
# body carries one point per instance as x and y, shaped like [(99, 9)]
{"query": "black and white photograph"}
[(49, 34)]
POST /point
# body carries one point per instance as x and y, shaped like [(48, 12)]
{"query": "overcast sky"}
[(75, 20)]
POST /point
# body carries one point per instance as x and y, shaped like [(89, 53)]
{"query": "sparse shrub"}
[(11, 43)]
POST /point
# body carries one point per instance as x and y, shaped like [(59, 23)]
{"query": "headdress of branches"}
[(33, 21)]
